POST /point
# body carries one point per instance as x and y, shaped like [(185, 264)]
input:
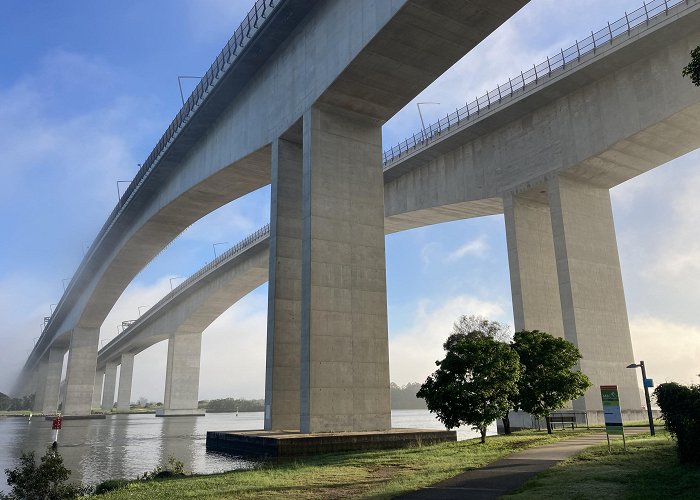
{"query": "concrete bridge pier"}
[(97, 389), (344, 379), (42, 371), (125, 377), (284, 289), (566, 279), (80, 376), (110, 385), (46, 400), (590, 287), (182, 376)]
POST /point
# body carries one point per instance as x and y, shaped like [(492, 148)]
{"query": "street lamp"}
[(141, 307), (214, 245), (418, 105), (646, 394), (174, 278)]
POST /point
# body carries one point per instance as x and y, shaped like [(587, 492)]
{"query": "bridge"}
[(543, 149)]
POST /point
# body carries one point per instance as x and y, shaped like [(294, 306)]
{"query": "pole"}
[(646, 396)]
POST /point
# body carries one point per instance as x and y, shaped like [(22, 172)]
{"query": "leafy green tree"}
[(547, 380), (46, 481), (693, 68), (466, 325), (680, 408), (473, 382)]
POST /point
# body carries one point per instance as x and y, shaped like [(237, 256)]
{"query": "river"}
[(123, 446)]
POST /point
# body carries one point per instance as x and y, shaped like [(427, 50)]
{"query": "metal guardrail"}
[(252, 23), (244, 244), (531, 77)]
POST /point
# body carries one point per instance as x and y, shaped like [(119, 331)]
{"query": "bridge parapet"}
[(638, 19)]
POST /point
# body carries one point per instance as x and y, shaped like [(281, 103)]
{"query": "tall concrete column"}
[(126, 373), (344, 339), (109, 386), (590, 285), (54, 370), (182, 375), (42, 371), (97, 389), (284, 291), (80, 377), (533, 268)]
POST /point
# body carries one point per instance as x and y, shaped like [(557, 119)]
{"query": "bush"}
[(48, 480), (110, 485), (174, 468), (680, 408)]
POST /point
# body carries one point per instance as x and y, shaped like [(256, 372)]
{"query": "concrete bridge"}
[(545, 153)]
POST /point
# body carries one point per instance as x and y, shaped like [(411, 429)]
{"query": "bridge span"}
[(545, 153)]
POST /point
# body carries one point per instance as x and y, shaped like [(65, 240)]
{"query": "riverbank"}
[(379, 474), (648, 469)]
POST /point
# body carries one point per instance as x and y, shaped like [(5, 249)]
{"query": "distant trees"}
[(405, 398), (693, 68), (232, 404), (483, 375), (8, 403)]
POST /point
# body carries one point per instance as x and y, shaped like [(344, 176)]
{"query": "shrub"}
[(48, 480), (110, 485), (173, 468), (680, 408)]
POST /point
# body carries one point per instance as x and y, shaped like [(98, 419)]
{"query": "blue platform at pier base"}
[(294, 443)]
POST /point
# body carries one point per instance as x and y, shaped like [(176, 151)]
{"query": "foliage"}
[(8, 403), (405, 398), (547, 381), (110, 485), (680, 408), (472, 384), (46, 481), (467, 325), (693, 68), (232, 404), (173, 468)]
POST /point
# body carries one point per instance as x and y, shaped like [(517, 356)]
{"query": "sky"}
[(86, 90)]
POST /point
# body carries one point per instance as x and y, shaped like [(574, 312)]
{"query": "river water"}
[(123, 446)]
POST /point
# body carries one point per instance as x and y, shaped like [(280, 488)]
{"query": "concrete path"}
[(507, 474)]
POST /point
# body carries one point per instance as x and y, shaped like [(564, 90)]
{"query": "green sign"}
[(611, 409)]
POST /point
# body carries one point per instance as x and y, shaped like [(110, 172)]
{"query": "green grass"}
[(649, 469), (373, 474)]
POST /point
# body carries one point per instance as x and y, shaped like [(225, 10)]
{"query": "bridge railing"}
[(244, 244), (590, 44), (245, 32)]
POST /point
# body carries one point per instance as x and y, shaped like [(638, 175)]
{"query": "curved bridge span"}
[(545, 153)]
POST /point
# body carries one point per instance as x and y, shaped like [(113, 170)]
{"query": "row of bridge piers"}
[(327, 365)]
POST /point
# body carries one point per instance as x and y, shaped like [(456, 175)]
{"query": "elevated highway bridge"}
[(544, 150)]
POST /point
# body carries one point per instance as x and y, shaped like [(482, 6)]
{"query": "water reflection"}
[(124, 446)]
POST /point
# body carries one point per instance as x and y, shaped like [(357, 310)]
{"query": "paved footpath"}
[(500, 477)]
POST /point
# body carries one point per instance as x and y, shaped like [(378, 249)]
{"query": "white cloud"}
[(670, 349), (414, 350), (477, 248)]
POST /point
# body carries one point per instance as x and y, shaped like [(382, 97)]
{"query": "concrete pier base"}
[(110, 384), (167, 412), (80, 374), (292, 444)]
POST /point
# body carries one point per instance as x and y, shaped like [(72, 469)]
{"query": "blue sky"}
[(87, 88)]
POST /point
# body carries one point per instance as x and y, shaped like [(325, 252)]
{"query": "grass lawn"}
[(648, 470), (373, 474)]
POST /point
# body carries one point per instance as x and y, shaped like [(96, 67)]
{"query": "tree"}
[(48, 480), (466, 325), (473, 382), (680, 408), (693, 68), (547, 381)]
